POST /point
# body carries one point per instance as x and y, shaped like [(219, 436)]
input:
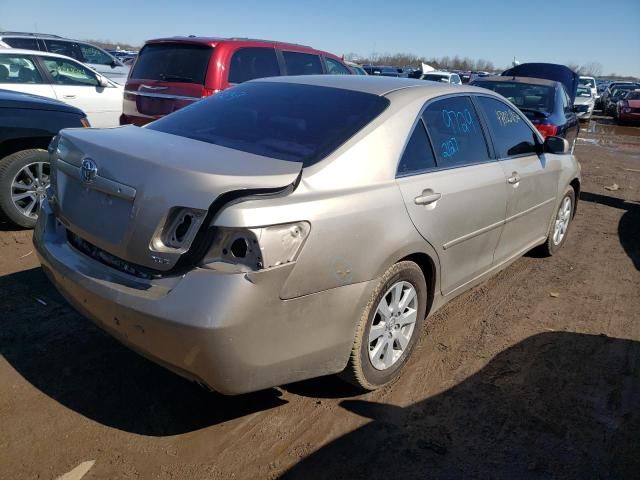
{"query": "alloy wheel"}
[(28, 188), (562, 221)]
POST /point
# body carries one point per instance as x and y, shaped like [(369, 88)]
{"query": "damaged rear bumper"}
[(231, 332)]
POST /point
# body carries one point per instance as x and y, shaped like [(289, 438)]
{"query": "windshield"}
[(633, 95), (587, 82), (287, 121), (525, 96), (621, 90), (584, 91), (435, 77), (173, 62)]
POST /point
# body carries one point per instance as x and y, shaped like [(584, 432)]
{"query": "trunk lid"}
[(117, 188), (548, 71)]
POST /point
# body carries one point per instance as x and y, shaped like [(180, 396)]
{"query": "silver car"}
[(294, 227)]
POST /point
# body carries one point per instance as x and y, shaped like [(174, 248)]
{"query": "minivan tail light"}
[(207, 92), (546, 129)]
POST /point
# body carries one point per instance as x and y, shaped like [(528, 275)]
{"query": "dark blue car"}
[(544, 92)]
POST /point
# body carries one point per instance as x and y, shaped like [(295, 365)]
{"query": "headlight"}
[(85, 122), (249, 249), (626, 109)]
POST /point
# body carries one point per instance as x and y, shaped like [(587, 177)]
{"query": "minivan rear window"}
[(173, 62), (287, 121)]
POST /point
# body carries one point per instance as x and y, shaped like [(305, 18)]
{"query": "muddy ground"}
[(533, 374)]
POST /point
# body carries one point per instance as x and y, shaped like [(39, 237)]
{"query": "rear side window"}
[(250, 63), (18, 69), (26, 43), (417, 156), (302, 63), (334, 67), (511, 135), (173, 62), (456, 132), (300, 123)]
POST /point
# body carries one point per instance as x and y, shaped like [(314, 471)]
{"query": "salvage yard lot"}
[(533, 374)]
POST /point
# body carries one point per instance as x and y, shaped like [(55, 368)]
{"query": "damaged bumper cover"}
[(231, 332)]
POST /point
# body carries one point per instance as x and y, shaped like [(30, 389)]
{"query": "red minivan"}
[(171, 73)]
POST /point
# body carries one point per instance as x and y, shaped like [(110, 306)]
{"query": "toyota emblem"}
[(89, 170)]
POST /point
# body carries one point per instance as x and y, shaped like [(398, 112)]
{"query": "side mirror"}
[(103, 82), (556, 145)]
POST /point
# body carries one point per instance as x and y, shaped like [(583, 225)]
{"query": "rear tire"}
[(561, 223), (23, 212), (385, 336)]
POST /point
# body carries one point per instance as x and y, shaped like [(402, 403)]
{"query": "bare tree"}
[(593, 69)]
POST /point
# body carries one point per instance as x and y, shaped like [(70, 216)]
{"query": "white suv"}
[(65, 79), (90, 55), (443, 77)]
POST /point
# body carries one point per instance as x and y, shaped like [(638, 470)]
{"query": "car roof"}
[(213, 41), (531, 80), (22, 51), (439, 72), (373, 84)]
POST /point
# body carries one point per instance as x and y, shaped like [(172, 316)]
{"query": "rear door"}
[(166, 77), (20, 73), (103, 63), (531, 183), (248, 63), (75, 84), (454, 192)]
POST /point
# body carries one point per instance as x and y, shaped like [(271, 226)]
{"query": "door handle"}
[(514, 179), (68, 96), (428, 196)]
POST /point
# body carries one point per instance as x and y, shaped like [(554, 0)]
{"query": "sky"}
[(558, 31)]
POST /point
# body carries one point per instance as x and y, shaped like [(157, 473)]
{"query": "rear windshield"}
[(300, 123), (173, 62), (525, 96)]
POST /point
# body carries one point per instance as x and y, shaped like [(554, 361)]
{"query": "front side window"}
[(511, 134), (334, 67), (93, 55), (298, 63), (25, 43), (456, 132), (249, 63), (65, 72), (418, 155), (18, 69), (294, 122), (173, 62)]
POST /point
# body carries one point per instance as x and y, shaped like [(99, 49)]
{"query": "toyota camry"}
[(294, 227)]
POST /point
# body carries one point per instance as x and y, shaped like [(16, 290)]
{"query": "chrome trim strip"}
[(482, 230), (161, 95), (104, 185)]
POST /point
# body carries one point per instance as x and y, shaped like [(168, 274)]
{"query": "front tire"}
[(24, 177), (561, 222), (389, 327)]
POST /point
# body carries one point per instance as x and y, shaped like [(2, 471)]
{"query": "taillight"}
[(546, 129), (207, 92)]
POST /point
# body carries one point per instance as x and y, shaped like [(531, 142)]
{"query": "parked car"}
[(604, 97), (62, 78), (27, 125), (590, 83), (544, 102), (90, 55), (629, 107), (584, 103), (171, 73), (442, 77), (615, 94), (384, 71), (295, 227), (356, 68)]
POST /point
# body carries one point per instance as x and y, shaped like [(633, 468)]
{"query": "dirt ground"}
[(533, 374)]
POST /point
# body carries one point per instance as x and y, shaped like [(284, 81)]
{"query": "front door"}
[(20, 74), (531, 181), (78, 86), (454, 192)]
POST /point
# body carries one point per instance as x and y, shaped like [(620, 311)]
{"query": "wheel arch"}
[(575, 184), (429, 270), (14, 145)]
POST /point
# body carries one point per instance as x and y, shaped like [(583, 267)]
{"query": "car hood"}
[(143, 178), (583, 101), (11, 99), (548, 71)]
